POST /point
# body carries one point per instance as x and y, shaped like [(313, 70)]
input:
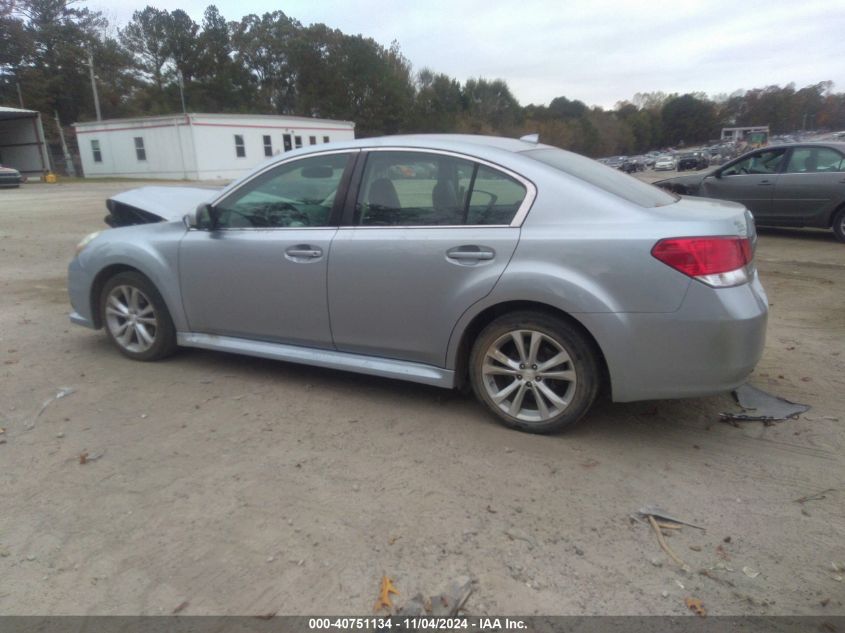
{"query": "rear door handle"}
[(303, 251), (470, 253), (764, 183)]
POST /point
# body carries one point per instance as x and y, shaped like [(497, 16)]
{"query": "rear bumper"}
[(709, 345)]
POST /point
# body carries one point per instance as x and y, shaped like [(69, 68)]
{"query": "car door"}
[(428, 235), (750, 181), (812, 185), (256, 265)]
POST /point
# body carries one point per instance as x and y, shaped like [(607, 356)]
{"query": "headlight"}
[(85, 241)]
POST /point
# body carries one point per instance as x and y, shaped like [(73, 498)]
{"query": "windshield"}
[(610, 180)]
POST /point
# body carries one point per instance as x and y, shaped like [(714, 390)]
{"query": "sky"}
[(596, 51)]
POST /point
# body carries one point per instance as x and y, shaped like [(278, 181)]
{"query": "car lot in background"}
[(800, 184), (10, 177), (212, 464)]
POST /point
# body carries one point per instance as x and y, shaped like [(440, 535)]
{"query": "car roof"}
[(837, 145), (473, 144)]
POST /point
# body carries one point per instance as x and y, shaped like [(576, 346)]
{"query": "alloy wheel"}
[(131, 318), (529, 375)]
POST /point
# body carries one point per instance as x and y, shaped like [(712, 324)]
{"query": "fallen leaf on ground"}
[(387, 588), (696, 606), (182, 606)]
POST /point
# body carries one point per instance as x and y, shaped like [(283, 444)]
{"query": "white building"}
[(197, 146)]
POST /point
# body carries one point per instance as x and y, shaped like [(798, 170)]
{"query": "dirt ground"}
[(244, 486)]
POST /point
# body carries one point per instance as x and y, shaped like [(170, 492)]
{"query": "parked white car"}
[(665, 163)]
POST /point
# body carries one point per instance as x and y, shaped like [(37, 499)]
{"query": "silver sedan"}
[(536, 276)]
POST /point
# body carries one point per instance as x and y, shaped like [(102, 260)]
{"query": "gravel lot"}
[(243, 486)]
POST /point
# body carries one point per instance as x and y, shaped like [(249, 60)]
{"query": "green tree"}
[(145, 37), (438, 103), (263, 45), (222, 84), (490, 106), (688, 119), (47, 54)]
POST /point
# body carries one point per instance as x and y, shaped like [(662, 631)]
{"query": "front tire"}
[(136, 318), (534, 372)]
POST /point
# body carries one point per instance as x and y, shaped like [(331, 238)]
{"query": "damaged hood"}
[(155, 204), (687, 184)]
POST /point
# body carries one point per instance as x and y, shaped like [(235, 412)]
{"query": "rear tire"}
[(136, 318), (534, 372), (839, 225)]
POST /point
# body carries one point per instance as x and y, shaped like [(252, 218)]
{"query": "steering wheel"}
[(276, 211)]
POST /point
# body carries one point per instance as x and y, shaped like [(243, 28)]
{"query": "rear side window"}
[(426, 189), (810, 160), (605, 178)]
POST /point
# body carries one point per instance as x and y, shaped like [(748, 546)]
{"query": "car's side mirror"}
[(190, 220), (203, 217)]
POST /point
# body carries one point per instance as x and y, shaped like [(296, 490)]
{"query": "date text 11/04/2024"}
[(417, 624)]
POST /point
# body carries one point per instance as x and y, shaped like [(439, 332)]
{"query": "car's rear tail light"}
[(720, 261)]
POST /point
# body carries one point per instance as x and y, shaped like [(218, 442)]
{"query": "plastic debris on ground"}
[(760, 406)]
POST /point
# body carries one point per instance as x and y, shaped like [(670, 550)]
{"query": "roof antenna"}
[(530, 138)]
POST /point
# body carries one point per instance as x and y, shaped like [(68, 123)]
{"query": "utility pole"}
[(94, 85), (182, 91), (20, 94), (69, 167)]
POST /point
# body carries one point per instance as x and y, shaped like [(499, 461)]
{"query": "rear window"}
[(610, 180)]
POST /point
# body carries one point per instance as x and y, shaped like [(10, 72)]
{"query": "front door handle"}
[(470, 253), (764, 183), (303, 251)]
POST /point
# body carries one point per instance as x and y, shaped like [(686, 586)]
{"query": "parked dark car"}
[(10, 177), (693, 160), (632, 165), (785, 185), (616, 162)]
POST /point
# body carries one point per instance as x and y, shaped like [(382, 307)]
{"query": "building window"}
[(140, 152), (312, 140), (268, 145), (240, 150), (325, 139), (297, 140), (95, 150)]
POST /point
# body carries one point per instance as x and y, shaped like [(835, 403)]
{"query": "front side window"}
[(293, 195), (95, 150), (268, 145), (810, 160), (240, 148), (759, 163), (424, 189), (140, 151)]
